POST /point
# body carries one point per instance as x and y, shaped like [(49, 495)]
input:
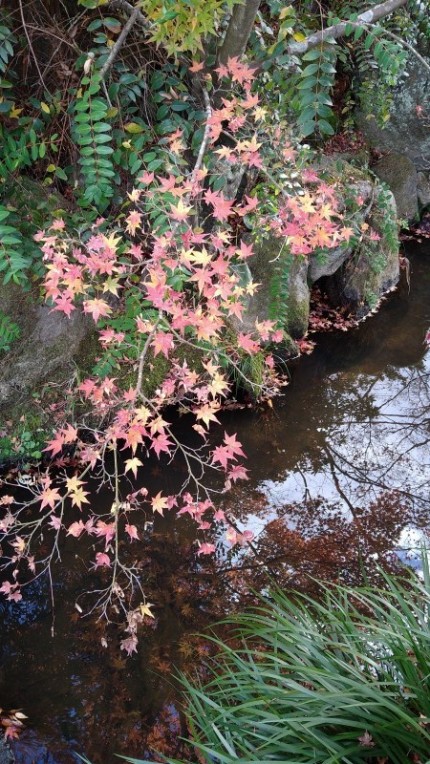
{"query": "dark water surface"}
[(340, 472)]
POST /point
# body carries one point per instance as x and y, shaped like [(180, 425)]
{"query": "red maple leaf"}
[(233, 444), (222, 455), (162, 343), (222, 207), (56, 444)]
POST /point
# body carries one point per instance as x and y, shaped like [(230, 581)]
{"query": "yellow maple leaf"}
[(207, 413), (201, 257), (73, 484), (159, 503), (133, 464), (144, 608), (259, 113), (111, 285), (79, 497), (112, 241), (218, 385), (142, 415)]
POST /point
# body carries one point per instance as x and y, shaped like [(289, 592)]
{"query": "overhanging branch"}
[(338, 30)]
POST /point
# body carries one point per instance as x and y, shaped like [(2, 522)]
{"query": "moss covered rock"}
[(49, 349), (356, 273), (407, 131), (401, 177)]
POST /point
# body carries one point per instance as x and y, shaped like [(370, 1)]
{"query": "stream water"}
[(340, 472)]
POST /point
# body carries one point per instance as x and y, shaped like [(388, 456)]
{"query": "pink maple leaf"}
[(162, 343), (102, 560), (222, 455), (246, 342), (161, 443), (206, 548), (64, 304), (234, 445), (107, 530), (97, 308), (129, 644), (55, 445), (132, 531), (238, 472), (222, 207), (75, 529)]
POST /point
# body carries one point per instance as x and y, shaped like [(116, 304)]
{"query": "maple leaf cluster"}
[(184, 279), (311, 221)]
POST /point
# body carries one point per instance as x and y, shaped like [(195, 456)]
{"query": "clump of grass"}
[(343, 680)]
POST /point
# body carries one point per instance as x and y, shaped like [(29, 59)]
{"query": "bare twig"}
[(30, 44), (128, 26)]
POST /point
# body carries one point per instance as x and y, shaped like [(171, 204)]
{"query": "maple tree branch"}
[(367, 17), (254, 385), (143, 355)]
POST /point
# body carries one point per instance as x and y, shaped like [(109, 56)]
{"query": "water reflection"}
[(340, 482)]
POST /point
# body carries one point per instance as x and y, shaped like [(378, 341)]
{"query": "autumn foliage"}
[(181, 276)]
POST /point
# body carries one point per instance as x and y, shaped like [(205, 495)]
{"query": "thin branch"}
[(398, 39), (123, 5), (143, 354), (128, 26), (206, 135), (30, 45), (368, 17), (63, 40)]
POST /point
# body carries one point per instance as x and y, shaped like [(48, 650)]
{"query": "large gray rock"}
[(373, 269), (47, 350), (423, 190), (328, 264), (407, 131), (401, 177), (355, 275), (277, 277)]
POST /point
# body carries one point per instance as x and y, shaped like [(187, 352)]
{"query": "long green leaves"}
[(343, 680)]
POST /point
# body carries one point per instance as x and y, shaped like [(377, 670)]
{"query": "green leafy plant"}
[(7, 42), (180, 26), (93, 135), (13, 262), (314, 101), (9, 332), (344, 679), (24, 443)]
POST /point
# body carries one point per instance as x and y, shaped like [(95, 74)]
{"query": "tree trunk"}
[(238, 31)]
